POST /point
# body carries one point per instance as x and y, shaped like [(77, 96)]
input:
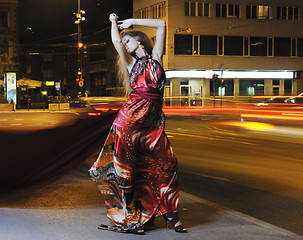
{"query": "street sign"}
[(57, 86)]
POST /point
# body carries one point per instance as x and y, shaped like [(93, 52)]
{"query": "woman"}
[(136, 170)]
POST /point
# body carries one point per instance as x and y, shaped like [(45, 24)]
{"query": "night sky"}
[(54, 18)]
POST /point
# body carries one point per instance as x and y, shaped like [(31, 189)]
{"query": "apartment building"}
[(8, 36), (232, 49)]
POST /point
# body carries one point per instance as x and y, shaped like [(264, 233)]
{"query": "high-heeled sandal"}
[(173, 218)]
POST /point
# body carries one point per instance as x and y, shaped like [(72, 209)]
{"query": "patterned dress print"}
[(136, 170)]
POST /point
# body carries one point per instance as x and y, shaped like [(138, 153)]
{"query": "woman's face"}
[(130, 44)]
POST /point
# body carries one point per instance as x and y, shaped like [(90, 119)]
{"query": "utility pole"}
[(222, 67), (79, 14), (214, 79)]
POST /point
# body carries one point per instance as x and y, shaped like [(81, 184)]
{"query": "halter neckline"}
[(143, 57)]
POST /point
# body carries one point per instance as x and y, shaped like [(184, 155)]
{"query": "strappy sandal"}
[(173, 218)]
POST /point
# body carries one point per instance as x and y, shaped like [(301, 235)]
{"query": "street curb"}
[(243, 216)]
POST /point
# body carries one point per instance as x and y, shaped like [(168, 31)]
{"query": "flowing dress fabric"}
[(136, 170)]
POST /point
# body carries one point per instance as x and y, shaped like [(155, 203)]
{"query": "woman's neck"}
[(140, 52)]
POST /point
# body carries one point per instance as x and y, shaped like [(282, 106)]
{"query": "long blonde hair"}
[(122, 72), (123, 75)]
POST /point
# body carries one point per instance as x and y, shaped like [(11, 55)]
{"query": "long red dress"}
[(137, 159)]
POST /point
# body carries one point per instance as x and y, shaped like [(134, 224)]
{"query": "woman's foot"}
[(173, 218)]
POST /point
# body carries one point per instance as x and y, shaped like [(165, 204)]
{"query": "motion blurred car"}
[(77, 102), (273, 101), (297, 99)]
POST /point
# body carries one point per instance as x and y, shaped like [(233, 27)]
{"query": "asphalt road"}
[(254, 169), (250, 168)]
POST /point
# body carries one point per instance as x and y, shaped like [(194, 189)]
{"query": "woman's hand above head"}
[(125, 23), (113, 17)]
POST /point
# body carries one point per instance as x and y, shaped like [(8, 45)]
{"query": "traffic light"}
[(223, 83), (216, 79), (80, 45)]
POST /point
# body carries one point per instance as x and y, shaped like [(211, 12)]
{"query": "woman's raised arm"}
[(126, 58)]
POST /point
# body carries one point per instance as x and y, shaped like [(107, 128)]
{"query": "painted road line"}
[(208, 176), (248, 218)]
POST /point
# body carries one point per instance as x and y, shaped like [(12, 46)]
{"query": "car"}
[(296, 99), (77, 102), (277, 100)]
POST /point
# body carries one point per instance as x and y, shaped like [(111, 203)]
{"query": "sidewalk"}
[(204, 219)]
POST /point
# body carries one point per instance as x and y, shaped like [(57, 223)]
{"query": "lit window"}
[(257, 12)]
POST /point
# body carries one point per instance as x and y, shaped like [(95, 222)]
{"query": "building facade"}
[(228, 49), (8, 36)]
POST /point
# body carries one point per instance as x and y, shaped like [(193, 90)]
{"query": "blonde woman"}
[(136, 170)]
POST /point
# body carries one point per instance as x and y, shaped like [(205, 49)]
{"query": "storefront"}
[(201, 87)]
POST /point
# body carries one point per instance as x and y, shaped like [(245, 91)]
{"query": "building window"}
[(208, 45), (227, 10), (220, 46), (287, 86), (142, 13), (3, 19), (293, 47), (287, 13), (258, 46), (270, 47), (233, 46), (158, 10), (184, 88), (257, 12), (282, 47), (251, 87), (246, 46), (196, 45), (197, 9), (300, 47), (183, 44)]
